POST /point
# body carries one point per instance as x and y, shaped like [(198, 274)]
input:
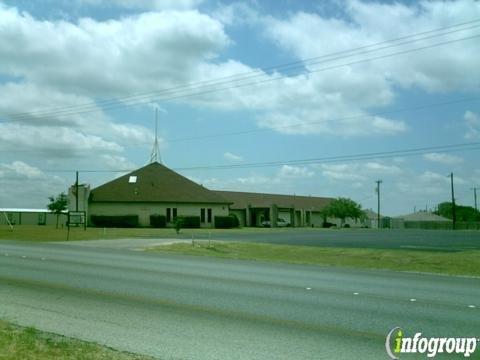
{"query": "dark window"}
[(202, 215), (209, 215), (169, 215), (174, 214)]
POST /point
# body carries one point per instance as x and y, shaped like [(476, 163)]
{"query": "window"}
[(169, 215), (132, 179), (174, 211), (202, 215), (209, 215)]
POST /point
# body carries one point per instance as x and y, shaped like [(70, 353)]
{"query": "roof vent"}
[(132, 179)]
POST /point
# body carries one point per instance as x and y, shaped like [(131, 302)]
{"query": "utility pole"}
[(475, 196), (76, 191), (378, 202), (454, 215)]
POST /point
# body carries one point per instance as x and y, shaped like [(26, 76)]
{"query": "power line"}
[(307, 161), (139, 99), (257, 130)]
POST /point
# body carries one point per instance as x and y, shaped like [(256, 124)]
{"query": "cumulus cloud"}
[(18, 170), (232, 157), (143, 4), (443, 158), (472, 122), (35, 186), (340, 91), (115, 57), (358, 172), (288, 171)]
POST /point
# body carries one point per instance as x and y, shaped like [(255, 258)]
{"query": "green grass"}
[(17, 343), (49, 233), (453, 263)]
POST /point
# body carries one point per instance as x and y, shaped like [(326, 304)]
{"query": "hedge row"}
[(188, 222), (120, 221), (226, 222), (158, 221)]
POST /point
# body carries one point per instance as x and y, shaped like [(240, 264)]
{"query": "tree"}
[(342, 208), (58, 204), (463, 213)]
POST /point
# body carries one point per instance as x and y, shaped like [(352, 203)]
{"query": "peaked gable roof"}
[(154, 183)]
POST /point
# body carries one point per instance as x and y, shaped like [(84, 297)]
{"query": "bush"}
[(188, 222), (226, 222), (121, 221), (158, 221)]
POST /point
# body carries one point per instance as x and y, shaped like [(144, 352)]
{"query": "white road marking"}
[(355, 293), (308, 288), (471, 306), (413, 300)]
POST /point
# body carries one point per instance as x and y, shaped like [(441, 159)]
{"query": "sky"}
[(317, 98)]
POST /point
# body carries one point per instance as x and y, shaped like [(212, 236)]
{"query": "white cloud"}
[(232, 157), (18, 170), (358, 172), (443, 158), (340, 92), (24, 185), (111, 58), (236, 13), (307, 35), (56, 142), (143, 4), (472, 121), (292, 172)]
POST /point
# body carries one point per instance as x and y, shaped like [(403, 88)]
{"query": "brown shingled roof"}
[(241, 200), (154, 183)]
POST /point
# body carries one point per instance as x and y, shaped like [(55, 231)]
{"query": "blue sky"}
[(62, 62)]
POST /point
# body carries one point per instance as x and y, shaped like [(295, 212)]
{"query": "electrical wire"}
[(140, 99), (308, 161)]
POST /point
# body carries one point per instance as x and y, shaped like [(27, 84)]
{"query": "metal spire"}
[(155, 155)]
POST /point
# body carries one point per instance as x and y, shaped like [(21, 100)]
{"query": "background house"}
[(254, 208), (421, 220)]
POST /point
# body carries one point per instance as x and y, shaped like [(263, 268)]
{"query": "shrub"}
[(126, 221), (188, 222), (158, 221), (226, 222)]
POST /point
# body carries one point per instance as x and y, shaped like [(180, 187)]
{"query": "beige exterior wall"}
[(144, 210)]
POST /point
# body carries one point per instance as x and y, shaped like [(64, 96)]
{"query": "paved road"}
[(439, 240), (178, 307)]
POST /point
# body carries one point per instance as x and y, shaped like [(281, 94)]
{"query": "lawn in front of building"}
[(451, 263), (46, 233)]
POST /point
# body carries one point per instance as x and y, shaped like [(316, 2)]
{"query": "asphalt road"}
[(439, 240), (179, 307)]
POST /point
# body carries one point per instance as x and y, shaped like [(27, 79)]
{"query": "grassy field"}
[(453, 263), (17, 343), (50, 233)]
